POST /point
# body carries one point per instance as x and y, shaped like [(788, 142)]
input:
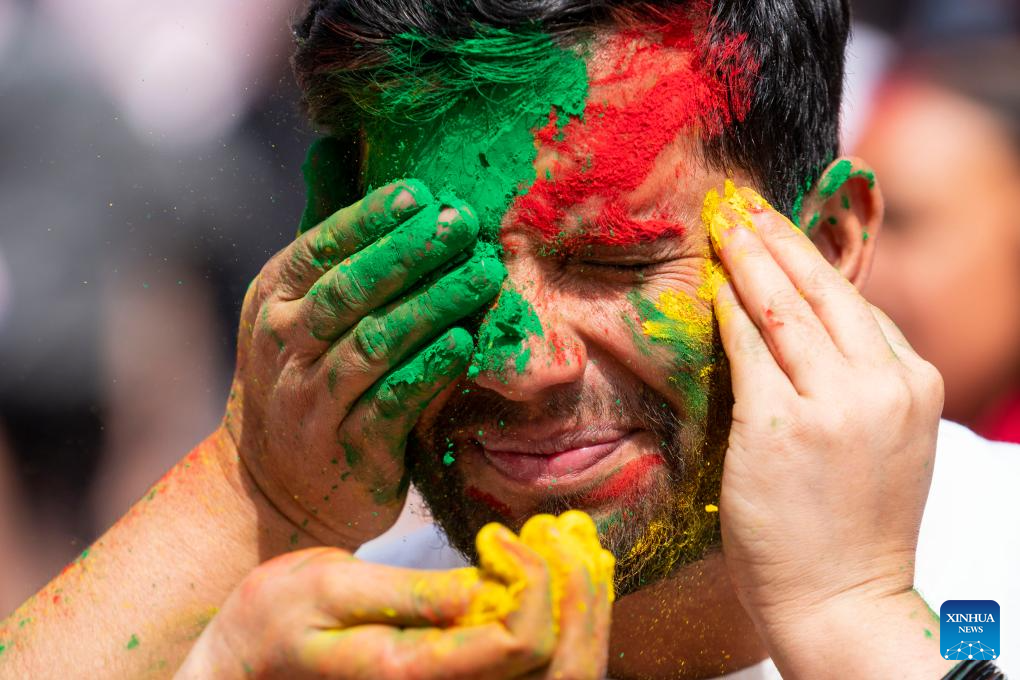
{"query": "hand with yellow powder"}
[(538, 606), (830, 452)]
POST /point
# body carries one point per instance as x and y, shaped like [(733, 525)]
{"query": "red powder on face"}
[(493, 503), (624, 482), (679, 85)]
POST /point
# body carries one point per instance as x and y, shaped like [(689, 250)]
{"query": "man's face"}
[(617, 399)]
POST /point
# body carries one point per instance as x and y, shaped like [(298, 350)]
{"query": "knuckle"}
[(748, 341), (531, 651), (781, 306), (372, 340), (931, 384), (387, 403), (894, 396), (822, 279), (332, 300)]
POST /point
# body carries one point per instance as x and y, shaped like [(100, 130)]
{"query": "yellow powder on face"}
[(740, 203), (715, 276)]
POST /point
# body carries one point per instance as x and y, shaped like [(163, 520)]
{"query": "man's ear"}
[(842, 214)]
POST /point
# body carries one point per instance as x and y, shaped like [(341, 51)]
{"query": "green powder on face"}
[(464, 126), (845, 202), (693, 356), (459, 114), (503, 333), (133, 642)]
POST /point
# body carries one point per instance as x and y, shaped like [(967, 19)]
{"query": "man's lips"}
[(525, 459)]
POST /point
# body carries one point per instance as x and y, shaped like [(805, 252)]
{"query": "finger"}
[(373, 436), (753, 369), (391, 619), (897, 342), (801, 345), (345, 232), (583, 585), (375, 651), (385, 337), (528, 610), (839, 306), (356, 593), (379, 272)]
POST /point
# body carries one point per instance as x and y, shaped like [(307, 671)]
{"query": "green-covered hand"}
[(345, 338)]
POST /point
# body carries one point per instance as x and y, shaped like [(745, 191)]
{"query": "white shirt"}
[(969, 547)]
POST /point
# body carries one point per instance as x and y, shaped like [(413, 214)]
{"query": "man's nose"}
[(527, 345)]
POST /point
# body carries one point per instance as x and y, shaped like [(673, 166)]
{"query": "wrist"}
[(874, 634), (277, 533)]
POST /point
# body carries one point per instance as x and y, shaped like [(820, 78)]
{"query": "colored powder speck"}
[(448, 459), (133, 642), (865, 236), (710, 507), (844, 201), (927, 633)]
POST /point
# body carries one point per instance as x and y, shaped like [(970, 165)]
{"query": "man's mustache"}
[(472, 407)]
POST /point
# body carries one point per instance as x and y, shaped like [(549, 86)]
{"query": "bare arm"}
[(133, 603), (329, 381)]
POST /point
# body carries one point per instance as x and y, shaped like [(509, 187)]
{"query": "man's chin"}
[(652, 525)]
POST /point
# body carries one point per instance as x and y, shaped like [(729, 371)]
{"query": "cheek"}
[(432, 411), (619, 334)]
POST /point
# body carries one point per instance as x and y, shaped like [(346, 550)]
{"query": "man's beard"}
[(652, 533)]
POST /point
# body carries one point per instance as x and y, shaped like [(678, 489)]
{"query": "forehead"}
[(599, 140)]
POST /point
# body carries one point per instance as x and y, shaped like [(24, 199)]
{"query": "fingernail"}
[(752, 200), (411, 193), (722, 215)]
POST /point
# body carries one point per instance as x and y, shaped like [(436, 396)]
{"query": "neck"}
[(689, 626)]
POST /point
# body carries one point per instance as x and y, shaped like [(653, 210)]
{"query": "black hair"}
[(789, 134)]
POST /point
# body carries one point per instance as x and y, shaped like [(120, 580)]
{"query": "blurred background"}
[(150, 163)]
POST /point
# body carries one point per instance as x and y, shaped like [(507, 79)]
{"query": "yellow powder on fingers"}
[(502, 577), (564, 542)]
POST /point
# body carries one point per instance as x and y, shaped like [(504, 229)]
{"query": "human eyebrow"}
[(611, 228)]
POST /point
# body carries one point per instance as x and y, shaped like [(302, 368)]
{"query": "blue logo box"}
[(969, 629)]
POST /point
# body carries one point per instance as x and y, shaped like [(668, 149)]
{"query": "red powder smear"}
[(624, 482), (493, 503), (613, 150)]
